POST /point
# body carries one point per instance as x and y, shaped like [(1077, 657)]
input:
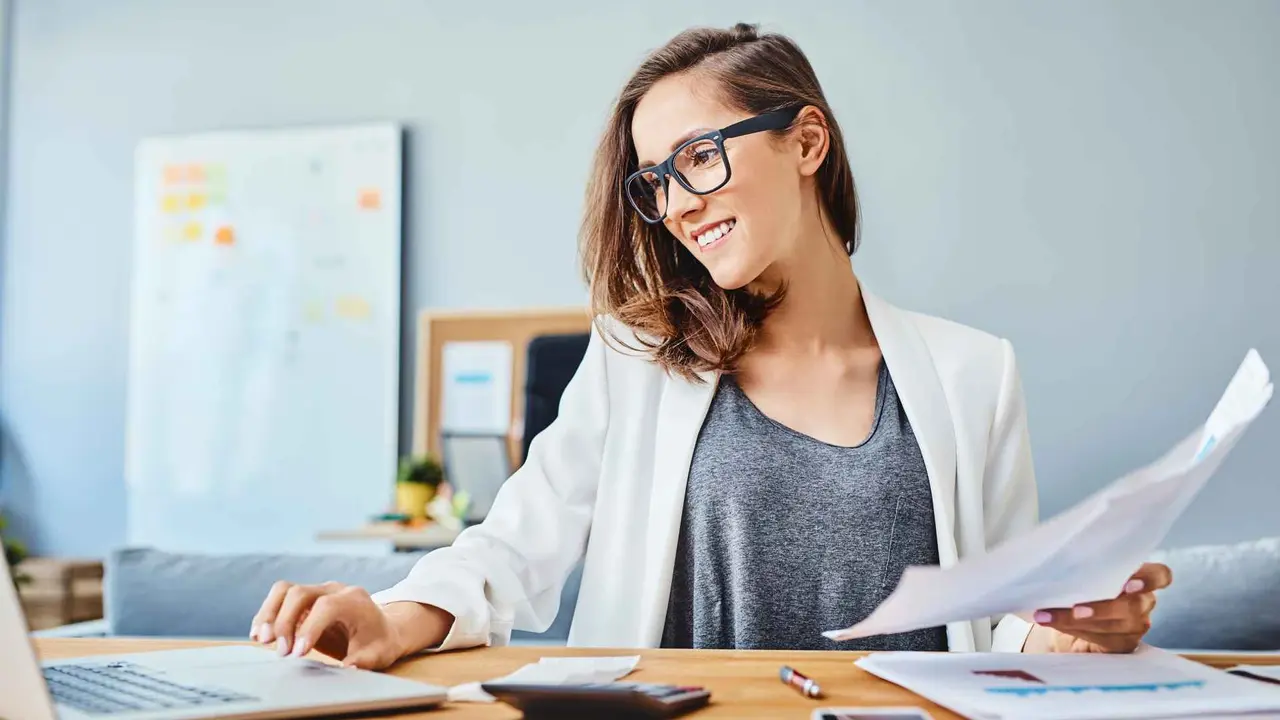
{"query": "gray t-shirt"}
[(784, 536)]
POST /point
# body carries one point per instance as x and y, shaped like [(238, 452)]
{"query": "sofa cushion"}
[(154, 593), (1223, 597)]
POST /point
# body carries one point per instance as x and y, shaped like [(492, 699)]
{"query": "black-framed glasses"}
[(699, 165)]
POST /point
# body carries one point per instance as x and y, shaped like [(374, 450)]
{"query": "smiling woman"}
[(755, 446)]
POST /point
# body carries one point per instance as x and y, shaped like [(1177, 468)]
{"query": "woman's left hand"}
[(1108, 626)]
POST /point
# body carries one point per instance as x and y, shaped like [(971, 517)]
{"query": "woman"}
[(755, 446)]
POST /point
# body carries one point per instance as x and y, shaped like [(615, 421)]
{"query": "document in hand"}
[(1149, 683), (1088, 552)]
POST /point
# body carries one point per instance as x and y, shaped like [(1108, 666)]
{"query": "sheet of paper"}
[(1149, 683), (1088, 552), (1268, 673), (553, 671), (477, 387)]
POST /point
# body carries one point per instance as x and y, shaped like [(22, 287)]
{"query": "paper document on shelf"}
[(1149, 683), (1087, 553), (477, 387), (553, 671)]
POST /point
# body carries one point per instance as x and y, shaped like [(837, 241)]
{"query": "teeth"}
[(715, 233)]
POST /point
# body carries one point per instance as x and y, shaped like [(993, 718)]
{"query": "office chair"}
[(550, 363)]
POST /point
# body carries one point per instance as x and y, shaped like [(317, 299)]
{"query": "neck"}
[(822, 310)]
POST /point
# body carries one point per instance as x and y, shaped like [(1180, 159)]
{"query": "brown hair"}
[(639, 273)]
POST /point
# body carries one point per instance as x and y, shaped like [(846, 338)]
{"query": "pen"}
[(806, 686)]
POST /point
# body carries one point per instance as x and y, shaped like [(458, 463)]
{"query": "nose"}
[(681, 202)]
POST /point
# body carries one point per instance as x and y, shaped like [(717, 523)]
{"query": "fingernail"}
[(300, 647), (253, 633), (1043, 617), (264, 633), (1134, 586), (282, 647), (1081, 612)]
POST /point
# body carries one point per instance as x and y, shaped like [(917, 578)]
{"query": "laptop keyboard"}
[(123, 687)]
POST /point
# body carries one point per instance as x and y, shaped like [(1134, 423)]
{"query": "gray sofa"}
[(1224, 597), (153, 593)]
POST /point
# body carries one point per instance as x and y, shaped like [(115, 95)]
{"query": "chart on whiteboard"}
[(265, 335)]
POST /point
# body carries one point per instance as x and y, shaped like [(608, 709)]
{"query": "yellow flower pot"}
[(412, 498)]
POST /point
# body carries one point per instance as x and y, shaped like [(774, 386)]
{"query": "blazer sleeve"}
[(1010, 501), (509, 570)]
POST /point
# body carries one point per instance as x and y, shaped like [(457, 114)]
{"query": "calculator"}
[(600, 700)]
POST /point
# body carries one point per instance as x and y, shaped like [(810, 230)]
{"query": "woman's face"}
[(746, 230)]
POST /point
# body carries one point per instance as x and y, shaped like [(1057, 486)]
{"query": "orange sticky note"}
[(171, 203), (224, 236), (195, 173), (192, 231), (172, 174), (370, 199)]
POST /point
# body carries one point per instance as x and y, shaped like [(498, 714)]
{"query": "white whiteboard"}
[(265, 337)]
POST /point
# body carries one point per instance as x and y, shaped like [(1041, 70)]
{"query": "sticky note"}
[(224, 235), (192, 231), (352, 307), (171, 204), (196, 201), (370, 199), (173, 174)]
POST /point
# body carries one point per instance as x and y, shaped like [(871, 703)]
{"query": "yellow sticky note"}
[(196, 201), (171, 204), (352, 307), (192, 231)]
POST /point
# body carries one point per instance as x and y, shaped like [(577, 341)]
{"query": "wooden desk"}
[(743, 684)]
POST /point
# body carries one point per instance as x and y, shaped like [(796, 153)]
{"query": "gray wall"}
[(1095, 180)]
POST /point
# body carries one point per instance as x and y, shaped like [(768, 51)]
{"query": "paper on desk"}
[(1087, 553), (553, 671), (1267, 673), (1148, 683)]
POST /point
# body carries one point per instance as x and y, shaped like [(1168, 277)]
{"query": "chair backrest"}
[(154, 593), (550, 364), (1223, 597)]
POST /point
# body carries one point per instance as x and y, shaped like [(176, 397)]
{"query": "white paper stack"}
[(553, 671), (1087, 553), (1149, 683)]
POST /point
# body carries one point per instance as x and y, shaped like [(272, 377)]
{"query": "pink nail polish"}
[(1043, 617), (282, 647), (1081, 612), (1133, 586), (299, 647)]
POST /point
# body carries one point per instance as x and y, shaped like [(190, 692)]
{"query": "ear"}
[(813, 138)]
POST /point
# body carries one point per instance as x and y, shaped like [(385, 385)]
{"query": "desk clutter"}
[(60, 591)]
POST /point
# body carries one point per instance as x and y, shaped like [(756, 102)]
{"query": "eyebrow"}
[(691, 134)]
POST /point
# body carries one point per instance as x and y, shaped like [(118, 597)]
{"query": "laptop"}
[(233, 681)]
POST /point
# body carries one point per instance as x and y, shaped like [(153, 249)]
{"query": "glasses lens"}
[(645, 192), (701, 165)]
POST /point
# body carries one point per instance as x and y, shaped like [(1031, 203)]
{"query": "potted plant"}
[(14, 553), (416, 484)]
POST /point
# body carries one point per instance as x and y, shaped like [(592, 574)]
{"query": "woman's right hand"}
[(343, 622)]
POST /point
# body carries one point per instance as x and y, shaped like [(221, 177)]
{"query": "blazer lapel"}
[(920, 392), (681, 412)]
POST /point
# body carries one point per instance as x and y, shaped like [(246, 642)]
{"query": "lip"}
[(693, 236)]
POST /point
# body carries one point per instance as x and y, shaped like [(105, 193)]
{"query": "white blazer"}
[(607, 479)]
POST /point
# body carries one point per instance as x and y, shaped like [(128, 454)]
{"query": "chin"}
[(733, 278)]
